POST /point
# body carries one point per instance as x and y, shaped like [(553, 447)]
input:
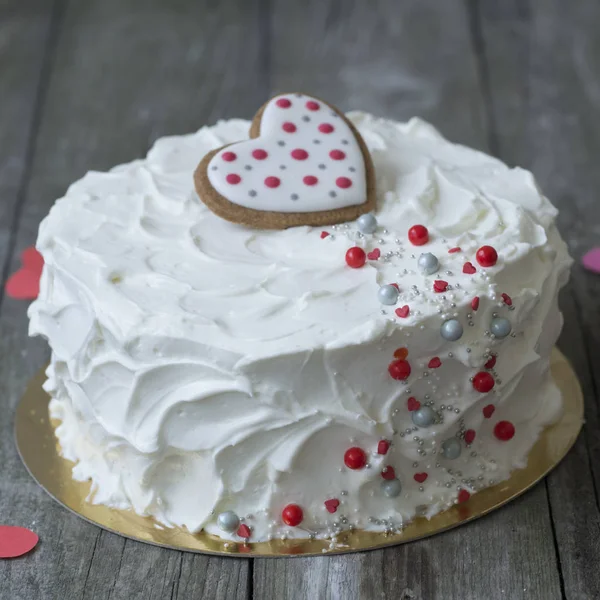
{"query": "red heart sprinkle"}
[(435, 363), (396, 286), (403, 311), (475, 303), (469, 269), (469, 436), (463, 496), (16, 541), (332, 505), (374, 255), (383, 446), (324, 234), (244, 531), (453, 250), (25, 283), (388, 473), (490, 364), (507, 299), (401, 353), (488, 411), (439, 285), (413, 403), (420, 477)]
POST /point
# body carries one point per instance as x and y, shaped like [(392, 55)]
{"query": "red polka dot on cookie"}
[(288, 127), (312, 105), (310, 180), (337, 155), (343, 182), (229, 156), (325, 128), (259, 154), (233, 178), (283, 103), (272, 182), (299, 154)]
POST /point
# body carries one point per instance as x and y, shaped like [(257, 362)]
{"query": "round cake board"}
[(40, 452)]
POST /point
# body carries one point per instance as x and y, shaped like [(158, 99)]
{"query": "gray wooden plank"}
[(546, 98), (126, 72), (399, 60)]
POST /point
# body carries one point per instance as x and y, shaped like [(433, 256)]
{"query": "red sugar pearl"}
[(504, 430), (312, 105), (356, 257), (355, 458), (288, 127), (299, 154), (310, 180), (483, 382), (343, 182), (337, 155), (292, 515), (325, 128), (228, 156), (259, 154), (272, 182), (418, 235), (283, 103), (399, 369), (486, 256), (233, 178)]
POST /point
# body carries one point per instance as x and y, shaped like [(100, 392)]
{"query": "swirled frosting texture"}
[(199, 366)]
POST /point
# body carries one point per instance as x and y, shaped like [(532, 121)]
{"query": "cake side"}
[(200, 367)]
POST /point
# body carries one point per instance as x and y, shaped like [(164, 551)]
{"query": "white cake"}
[(201, 367)]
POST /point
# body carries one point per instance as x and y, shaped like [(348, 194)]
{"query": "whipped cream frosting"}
[(199, 366)]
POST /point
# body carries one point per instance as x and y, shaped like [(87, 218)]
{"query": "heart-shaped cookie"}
[(304, 164)]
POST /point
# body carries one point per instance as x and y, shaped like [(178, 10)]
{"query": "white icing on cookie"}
[(306, 159)]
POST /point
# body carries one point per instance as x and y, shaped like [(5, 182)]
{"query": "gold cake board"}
[(39, 451)]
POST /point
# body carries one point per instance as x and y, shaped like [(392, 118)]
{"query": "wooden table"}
[(89, 84)]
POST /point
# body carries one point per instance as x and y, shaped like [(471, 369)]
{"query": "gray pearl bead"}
[(391, 488), (228, 521), (500, 327), (367, 223), (451, 330), (423, 417), (451, 448), (428, 263), (388, 294)]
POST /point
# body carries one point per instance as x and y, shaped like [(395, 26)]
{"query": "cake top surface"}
[(153, 260)]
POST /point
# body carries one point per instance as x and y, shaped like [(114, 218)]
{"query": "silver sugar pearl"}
[(423, 417), (500, 327), (451, 448), (451, 330), (367, 223), (391, 488), (428, 263), (228, 521), (388, 294)]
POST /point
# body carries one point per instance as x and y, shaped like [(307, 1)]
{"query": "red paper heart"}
[(469, 436), (507, 299), (244, 531), (374, 255), (488, 411), (453, 250), (420, 477), (469, 269), (332, 505), (413, 404), (475, 303), (388, 473), (463, 496), (403, 311), (324, 234), (25, 283), (439, 285), (435, 363), (16, 541), (383, 446), (490, 364)]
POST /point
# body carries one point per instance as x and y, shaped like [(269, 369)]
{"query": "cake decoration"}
[(428, 263), (403, 311), (355, 458), (332, 505), (16, 541), (305, 164), (418, 235), (228, 521), (356, 257), (292, 515), (25, 283), (487, 256)]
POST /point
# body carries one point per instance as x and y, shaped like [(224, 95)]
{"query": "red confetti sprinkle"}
[(229, 156), (312, 105), (490, 364), (463, 496), (413, 404), (324, 234), (475, 303), (388, 473), (283, 103), (259, 154), (420, 477), (401, 353), (332, 505), (469, 269), (483, 382), (399, 370), (16, 541), (272, 182), (453, 250), (486, 256), (337, 155), (504, 430), (343, 182), (507, 299), (310, 180), (233, 178), (299, 154), (418, 235), (325, 128), (244, 531), (355, 458), (403, 311), (383, 446), (374, 254), (288, 127), (439, 286), (25, 283), (469, 436), (292, 515), (435, 363), (356, 257), (488, 411)]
